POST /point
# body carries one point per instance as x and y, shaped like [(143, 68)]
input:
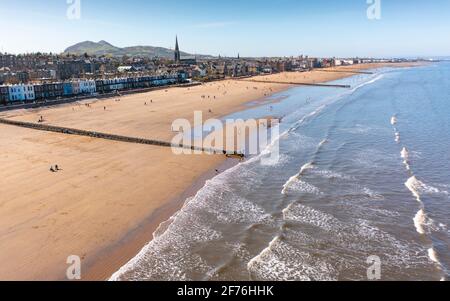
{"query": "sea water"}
[(362, 172)]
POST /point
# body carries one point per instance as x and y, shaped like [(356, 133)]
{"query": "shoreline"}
[(133, 242), (108, 257)]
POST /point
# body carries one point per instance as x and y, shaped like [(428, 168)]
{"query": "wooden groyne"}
[(99, 135), (296, 83)]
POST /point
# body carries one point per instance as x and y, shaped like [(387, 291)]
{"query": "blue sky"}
[(248, 27)]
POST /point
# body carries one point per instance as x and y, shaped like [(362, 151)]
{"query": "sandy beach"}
[(109, 197)]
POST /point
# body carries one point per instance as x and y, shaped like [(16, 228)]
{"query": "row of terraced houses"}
[(23, 93)]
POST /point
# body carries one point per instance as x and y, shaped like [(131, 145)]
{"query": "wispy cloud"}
[(215, 24)]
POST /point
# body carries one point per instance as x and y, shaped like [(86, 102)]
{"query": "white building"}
[(122, 69), (201, 71), (75, 87), (87, 86)]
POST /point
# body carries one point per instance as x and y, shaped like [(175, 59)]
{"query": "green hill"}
[(105, 48)]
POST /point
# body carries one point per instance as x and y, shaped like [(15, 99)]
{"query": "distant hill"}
[(105, 48)]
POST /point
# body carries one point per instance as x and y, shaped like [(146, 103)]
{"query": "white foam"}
[(418, 188), (323, 142), (375, 79), (305, 167), (329, 174), (296, 185), (422, 222), (282, 262), (414, 186), (433, 256), (419, 221), (295, 180), (299, 213), (372, 194), (405, 153), (259, 256), (394, 120), (352, 235)]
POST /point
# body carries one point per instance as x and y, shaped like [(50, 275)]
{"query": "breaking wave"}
[(295, 180), (422, 222)]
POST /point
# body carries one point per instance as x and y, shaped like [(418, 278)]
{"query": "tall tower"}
[(177, 51)]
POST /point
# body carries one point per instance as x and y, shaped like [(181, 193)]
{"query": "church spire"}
[(177, 51)]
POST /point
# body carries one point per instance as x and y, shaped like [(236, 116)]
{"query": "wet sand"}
[(110, 196)]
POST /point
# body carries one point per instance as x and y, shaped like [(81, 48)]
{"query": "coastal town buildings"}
[(39, 76), (20, 92), (16, 93), (4, 95), (54, 90), (87, 86)]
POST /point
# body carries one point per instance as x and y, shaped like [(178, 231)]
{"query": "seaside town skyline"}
[(89, 69)]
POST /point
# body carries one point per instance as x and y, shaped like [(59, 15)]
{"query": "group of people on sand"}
[(208, 96), (55, 168), (235, 155)]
